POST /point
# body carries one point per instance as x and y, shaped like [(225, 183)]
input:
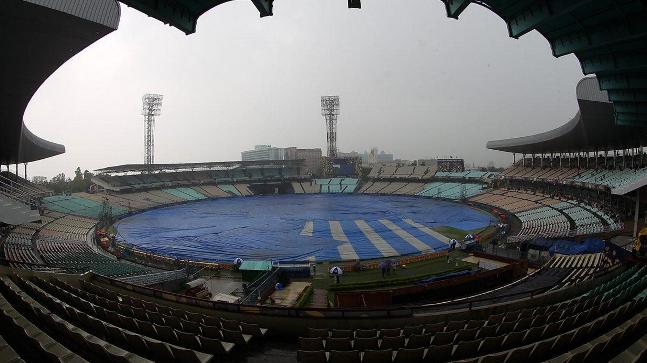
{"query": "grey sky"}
[(411, 82)]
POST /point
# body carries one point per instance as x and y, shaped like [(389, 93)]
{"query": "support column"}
[(26, 171), (636, 212)]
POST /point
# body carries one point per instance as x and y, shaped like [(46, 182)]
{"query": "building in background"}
[(311, 157), (369, 157)]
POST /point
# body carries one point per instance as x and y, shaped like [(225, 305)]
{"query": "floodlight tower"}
[(330, 112), (152, 106)]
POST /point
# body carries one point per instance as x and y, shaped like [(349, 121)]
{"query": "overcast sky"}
[(412, 82)]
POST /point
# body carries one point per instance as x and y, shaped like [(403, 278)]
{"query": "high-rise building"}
[(311, 157)]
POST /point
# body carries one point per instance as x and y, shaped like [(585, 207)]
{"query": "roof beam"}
[(622, 81), (625, 61), (628, 95), (630, 107), (174, 13), (455, 7), (539, 11), (600, 35), (264, 7), (631, 119)]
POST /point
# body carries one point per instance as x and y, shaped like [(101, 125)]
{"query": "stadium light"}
[(330, 111), (151, 107)]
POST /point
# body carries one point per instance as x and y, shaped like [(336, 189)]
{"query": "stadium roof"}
[(41, 36), (184, 14), (609, 37), (591, 129), (138, 168)]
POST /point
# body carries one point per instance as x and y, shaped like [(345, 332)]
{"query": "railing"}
[(260, 288), (20, 192), (401, 311)]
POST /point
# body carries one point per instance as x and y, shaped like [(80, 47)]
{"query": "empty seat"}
[(465, 349), (253, 329), (188, 340), (519, 355), (390, 332), (211, 331), (490, 345), (306, 356), (235, 337), (465, 334), (215, 346), (160, 352), (410, 330), (494, 358), (512, 340), (311, 344), (378, 356), (351, 356), (340, 333), (439, 353), (392, 343), (405, 355), (318, 333), (190, 356), (419, 341), (455, 325), (434, 328), (368, 333), (363, 344), (443, 338), (339, 344)]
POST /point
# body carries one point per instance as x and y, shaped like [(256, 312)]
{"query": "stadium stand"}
[(334, 185), (543, 216), (450, 190), (574, 309), (534, 333), (228, 188), (78, 206)]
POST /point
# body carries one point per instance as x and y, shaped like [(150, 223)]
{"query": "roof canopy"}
[(140, 168), (184, 14), (592, 129), (608, 37), (40, 37)]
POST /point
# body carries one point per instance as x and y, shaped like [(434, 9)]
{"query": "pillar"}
[(636, 212)]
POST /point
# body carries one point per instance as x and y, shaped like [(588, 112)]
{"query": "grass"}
[(451, 232), (372, 279), (459, 234)]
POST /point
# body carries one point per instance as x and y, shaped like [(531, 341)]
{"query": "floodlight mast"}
[(151, 107), (330, 112)]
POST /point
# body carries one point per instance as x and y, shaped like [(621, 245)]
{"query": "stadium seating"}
[(110, 324), (544, 221), (333, 185), (73, 204), (451, 190), (228, 188), (611, 178), (534, 333), (468, 174), (543, 216)]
